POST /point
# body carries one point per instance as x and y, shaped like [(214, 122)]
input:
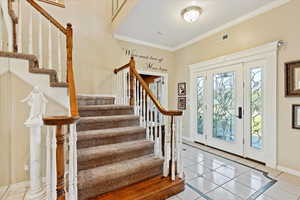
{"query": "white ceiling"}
[(159, 23)]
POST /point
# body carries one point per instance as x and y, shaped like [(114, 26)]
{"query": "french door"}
[(229, 109)]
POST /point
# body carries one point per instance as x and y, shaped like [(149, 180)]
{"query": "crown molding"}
[(239, 20), (132, 40)]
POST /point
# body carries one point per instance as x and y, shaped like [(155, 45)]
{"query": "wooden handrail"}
[(54, 3), (131, 65), (14, 19), (48, 16)]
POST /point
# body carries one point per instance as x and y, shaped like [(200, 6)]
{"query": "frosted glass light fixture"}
[(191, 14)]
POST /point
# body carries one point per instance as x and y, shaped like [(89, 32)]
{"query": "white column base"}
[(37, 194)]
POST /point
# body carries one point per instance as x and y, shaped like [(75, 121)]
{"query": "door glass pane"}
[(224, 106), (200, 105), (256, 107)]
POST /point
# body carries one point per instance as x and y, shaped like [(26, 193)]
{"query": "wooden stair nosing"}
[(34, 67), (157, 188)]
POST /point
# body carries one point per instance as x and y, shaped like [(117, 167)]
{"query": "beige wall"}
[(279, 24)]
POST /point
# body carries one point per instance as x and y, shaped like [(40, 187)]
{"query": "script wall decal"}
[(149, 62)]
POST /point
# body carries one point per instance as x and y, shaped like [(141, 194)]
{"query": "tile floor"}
[(215, 175)]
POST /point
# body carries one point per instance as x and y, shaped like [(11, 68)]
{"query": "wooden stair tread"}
[(157, 188)]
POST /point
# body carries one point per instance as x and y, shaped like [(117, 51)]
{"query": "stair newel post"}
[(37, 103), (59, 122), (70, 72), (131, 82)]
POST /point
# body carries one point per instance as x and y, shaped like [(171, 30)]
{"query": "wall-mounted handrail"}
[(115, 12), (54, 3), (131, 66)]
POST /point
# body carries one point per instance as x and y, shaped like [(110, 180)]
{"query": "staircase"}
[(112, 148)]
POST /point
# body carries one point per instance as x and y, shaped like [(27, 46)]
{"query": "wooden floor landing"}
[(157, 188)]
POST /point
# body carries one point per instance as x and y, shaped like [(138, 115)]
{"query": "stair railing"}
[(43, 36), (163, 127), (54, 3)]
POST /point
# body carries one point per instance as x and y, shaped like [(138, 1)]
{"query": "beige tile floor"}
[(213, 177)]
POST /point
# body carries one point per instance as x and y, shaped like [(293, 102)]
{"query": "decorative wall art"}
[(181, 103), (296, 116), (292, 79), (148, 61), (181, 89)]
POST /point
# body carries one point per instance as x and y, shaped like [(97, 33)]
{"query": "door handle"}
[(240, 113)]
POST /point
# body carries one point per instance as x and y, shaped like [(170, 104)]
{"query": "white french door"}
[(229, 108)]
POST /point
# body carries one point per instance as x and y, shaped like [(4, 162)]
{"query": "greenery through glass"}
[(200, 105), (224, 106), (256, 107)]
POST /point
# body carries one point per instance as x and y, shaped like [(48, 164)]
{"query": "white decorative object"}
[(37, 103)]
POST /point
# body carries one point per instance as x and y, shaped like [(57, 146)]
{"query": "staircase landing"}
[(157, 188)]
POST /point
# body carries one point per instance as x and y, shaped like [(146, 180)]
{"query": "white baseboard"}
[(98, 95), (188, 139), (289, 170)]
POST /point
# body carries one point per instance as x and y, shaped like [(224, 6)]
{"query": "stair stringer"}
[(19, 67)]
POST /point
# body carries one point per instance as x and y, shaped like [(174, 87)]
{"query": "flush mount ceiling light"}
[(191, 14)]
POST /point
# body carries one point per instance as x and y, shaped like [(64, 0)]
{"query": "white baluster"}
[(20, 27), (48, 161), (148, 118), (59, 58), (144, 109), (30, 26), (138, 98), (179, 149), (141, 105), (124, 87), (135, 96), (151, 120), (155, 132), (159, 127), (173, 139), (37, 103), (167, 148), (72, 162), (40, 50), (50, 47)]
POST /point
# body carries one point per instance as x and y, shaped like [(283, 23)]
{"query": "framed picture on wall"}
[(181, 103), (296, 116), (181, 89)]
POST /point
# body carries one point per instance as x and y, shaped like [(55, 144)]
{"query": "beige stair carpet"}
[(112, 149)]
